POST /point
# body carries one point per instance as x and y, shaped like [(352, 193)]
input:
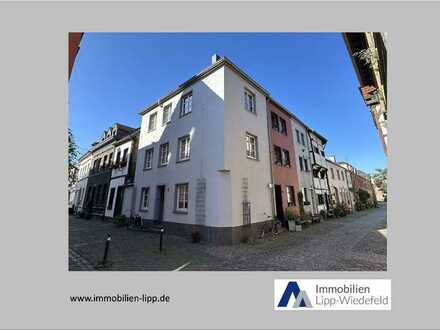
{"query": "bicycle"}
[(272, 225)]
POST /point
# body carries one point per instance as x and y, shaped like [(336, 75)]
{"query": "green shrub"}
[(119, 220), (290, 216)]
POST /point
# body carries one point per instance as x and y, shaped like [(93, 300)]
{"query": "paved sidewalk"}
[(354, 243)]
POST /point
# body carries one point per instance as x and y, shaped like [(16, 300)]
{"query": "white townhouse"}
[(203, 157), (321, 200), (120, 195), (301, 142), (340, 184), (85, 164)]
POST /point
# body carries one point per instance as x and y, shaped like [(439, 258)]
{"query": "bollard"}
[(107, 245), (161, 239)]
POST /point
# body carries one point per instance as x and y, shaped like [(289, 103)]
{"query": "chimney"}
[(215, 58)]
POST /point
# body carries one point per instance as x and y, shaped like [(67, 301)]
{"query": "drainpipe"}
[(270, 158), (311, 167)]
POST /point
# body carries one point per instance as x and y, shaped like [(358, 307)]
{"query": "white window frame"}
[(187, 150), (251, 107), (182, 193), (166, 110), (164, 158), (251, 147), (290, 195), (150, 122), (284, 158), (186, 108), (145, 192), (150, 152)]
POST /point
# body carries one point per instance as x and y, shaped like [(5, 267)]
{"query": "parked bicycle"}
[(272, 225)]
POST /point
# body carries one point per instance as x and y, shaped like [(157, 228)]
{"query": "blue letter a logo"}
[(301, 297)]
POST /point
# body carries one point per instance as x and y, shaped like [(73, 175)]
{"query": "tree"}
[(363, 195), (73, 159), (380, 179)]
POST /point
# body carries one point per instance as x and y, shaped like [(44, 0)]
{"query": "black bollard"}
[(161, 239), (107, 245)]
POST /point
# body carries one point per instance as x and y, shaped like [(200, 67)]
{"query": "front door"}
[(119, 201), (279, 203), (160, 202)]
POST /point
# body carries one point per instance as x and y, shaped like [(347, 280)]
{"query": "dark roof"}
[(128, 137)]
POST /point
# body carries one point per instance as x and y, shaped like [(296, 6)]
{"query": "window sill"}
[(252, 158), (183, 160), (252, 112), (181, 211), (163, 165), (184, 115), (148, 168)]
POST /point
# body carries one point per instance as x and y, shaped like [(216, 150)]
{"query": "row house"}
[(360, 181), (96, 169), (120, 196), (304, 160), (341, 188), (283, 160), (319, 172)]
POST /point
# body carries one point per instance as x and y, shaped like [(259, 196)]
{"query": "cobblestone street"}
[(354, 243)]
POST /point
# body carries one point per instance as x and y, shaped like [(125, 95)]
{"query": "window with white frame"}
[(164, 154), (182, 197), (186, 105), (286, 158), (184, 148), (290, 195), (145, 198), (305, 196), (251, 146), (148, 162), (166, 115), (249, 101), (152, 122), (283, 126)]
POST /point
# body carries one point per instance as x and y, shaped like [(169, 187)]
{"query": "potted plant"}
[(298, 225), (290, 219)]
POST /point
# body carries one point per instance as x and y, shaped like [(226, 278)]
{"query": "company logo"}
[(301, 297), (331, 294)]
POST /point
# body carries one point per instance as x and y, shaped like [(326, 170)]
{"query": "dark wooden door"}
[(119, 201), (279, 202), (160, 198)]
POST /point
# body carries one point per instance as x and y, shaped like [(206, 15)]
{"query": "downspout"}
[(328, 183), (311, 167), (270, 158)]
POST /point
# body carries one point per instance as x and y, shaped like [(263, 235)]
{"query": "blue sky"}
[(116, 75)]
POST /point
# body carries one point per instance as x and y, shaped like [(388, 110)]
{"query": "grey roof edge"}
[(204, 73)]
